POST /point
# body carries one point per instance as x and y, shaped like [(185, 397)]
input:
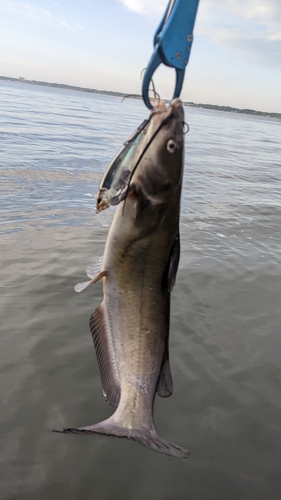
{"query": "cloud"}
[(265, 12), (238, 13), (64, 25), (268, 13), (248, 28), (34, 13), (145, 7)]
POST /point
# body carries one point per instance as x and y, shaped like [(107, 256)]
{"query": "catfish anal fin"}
[(105, 355)]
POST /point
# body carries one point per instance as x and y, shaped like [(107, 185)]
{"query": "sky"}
[(105, 44)]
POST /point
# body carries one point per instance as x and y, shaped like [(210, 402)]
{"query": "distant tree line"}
[(136, 96)]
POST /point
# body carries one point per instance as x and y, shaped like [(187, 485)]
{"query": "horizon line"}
[(138, 96)]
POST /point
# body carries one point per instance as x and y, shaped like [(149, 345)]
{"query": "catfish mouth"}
[(173, 112), (177, 110)]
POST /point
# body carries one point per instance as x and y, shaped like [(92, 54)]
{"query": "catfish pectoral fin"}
[(95, 268), (81, 286), (93, 271), (146, 437)]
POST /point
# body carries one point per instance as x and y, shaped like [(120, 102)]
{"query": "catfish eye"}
[(171, 146)]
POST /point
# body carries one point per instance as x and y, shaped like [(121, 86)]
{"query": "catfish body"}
[(130, 328)]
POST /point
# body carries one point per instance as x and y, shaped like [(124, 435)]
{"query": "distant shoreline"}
[(228, 109)]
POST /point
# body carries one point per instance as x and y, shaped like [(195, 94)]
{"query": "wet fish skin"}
[(130, 328)]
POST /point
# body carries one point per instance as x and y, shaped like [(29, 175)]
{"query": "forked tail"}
[(146, 437)]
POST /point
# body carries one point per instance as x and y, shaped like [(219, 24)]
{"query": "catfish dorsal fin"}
[(170, 274), (102, 339)]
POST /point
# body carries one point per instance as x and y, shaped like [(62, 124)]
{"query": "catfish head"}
[(158, 173)]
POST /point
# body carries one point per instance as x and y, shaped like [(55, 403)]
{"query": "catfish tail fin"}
[(146, 437)]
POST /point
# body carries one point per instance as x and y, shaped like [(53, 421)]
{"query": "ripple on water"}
[(225, 347)]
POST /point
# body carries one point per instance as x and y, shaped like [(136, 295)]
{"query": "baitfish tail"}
[(146, 437)]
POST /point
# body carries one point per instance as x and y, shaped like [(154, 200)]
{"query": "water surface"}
[(225, 344)]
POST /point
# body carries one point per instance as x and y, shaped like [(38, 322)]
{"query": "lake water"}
[(225, 344)]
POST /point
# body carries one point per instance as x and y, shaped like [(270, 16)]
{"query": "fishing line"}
[(127, 96), (46, 270), (156, 96)]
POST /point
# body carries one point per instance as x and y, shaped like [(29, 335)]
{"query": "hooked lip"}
[(160, 106), (173, 111), (176, 108)]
